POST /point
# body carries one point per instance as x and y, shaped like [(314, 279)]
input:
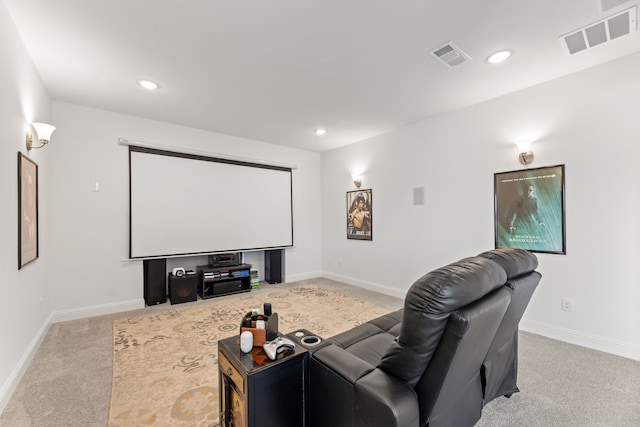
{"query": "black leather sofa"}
[(437, 361)]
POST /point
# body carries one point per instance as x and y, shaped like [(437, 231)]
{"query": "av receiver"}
[(225, 260)]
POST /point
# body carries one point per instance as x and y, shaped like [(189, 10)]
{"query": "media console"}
[(216, 281)]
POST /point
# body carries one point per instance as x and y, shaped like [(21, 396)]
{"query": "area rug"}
[(165, 364)]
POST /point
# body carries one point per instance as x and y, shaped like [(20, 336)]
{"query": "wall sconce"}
[(357, 180), (525, 154), (43, 132)]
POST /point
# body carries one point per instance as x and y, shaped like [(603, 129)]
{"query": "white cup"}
[(246, 341)]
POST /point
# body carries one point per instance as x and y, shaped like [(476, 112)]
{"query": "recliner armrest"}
[(345, 364), (348, 391), (384, 400)]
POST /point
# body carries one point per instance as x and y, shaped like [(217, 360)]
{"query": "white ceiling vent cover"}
[(606, 5), (450, 55), (610, 28)]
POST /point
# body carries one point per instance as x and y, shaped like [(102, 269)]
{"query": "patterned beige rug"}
[(165, 364)]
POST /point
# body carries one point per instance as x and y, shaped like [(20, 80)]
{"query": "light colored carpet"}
[(68, 383), (165, 365), (564, 385)]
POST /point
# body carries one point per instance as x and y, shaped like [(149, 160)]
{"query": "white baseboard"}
[(96, 310), (302, 276), (18, 371), (607, 345), (387, 290)]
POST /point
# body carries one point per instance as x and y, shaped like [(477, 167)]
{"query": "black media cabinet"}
[(258, 392), (216, 281)]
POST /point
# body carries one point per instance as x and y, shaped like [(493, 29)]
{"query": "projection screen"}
[(184, 204)]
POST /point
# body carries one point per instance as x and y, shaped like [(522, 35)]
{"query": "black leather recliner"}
[(500, 367), (422, 365)]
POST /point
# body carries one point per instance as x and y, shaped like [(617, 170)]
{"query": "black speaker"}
[(273, 265), (155, 281), (183, 289)]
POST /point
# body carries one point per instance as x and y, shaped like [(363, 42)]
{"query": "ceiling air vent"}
[(610, 4), (610, 28), (450, 55)]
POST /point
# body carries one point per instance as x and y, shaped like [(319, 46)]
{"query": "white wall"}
[(22, 316), (91, 234), (587, 121), (82, 270)]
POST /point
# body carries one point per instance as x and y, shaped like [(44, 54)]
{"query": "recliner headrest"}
[(455, 285), (515, 262)]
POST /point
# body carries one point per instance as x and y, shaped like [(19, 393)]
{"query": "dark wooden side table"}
[(258, 392)]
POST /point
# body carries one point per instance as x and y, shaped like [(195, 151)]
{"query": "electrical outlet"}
[(567, 304)]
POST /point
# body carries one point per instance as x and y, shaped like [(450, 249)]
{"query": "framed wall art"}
[(530, 209), (359, 215), (27, 210)]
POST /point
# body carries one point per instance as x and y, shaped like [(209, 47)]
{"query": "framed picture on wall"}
[(359, 215), (27, 210), (530, 209)]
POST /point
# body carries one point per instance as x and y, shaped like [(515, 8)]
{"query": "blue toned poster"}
[(529, 209)]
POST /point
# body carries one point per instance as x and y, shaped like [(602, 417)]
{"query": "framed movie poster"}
[(27, 210), (359, 219), (530, 209)]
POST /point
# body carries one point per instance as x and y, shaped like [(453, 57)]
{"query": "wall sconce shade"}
[(525, 154), (43, 132), (357, 180)]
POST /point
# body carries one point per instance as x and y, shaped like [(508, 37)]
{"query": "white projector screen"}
[(184, 204)]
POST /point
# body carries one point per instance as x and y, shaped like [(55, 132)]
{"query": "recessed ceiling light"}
[(320, 131), (499, 57), (148, 84)]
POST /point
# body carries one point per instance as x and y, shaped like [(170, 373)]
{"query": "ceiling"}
[(276, 70)]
